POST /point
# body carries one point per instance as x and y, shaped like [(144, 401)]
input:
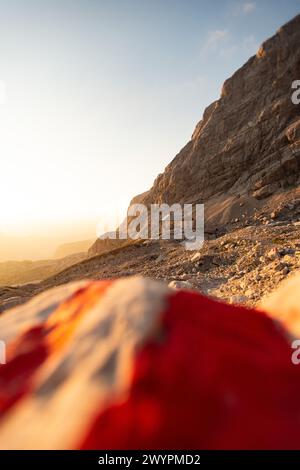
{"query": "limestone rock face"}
[(248, 142), (246, 148)]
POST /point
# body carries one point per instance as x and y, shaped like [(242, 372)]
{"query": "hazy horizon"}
[(43, 243)]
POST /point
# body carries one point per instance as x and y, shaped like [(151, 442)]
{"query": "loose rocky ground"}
[(241, 266)]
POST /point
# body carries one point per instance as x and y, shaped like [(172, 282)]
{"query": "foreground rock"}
[(130, 364)]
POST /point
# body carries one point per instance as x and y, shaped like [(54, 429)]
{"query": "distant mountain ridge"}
[(23, 272), (72, 248)]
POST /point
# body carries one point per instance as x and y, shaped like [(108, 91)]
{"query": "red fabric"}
[(26, 355), (218, 377), (28, 352), (214, 376)]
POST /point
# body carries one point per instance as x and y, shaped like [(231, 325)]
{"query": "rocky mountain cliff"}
[(248, 142), (246, 148)]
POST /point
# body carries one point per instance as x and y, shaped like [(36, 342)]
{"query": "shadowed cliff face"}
[(248, 141)]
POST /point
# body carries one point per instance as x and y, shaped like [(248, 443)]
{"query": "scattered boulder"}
[(238, 299), (180, 285), (196, 257)]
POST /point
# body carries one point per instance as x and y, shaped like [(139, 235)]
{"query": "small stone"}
[(248, 293), (273, 254), (196, 257), (238, 299), (279, 267), (180, 285)]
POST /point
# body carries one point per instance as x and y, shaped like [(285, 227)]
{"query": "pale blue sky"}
[(101, 95)]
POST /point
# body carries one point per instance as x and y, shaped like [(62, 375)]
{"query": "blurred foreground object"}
[(284, 305), (131, 364)]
